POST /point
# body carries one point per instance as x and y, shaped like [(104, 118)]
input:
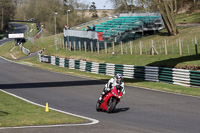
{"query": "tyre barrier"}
[(188, 78)]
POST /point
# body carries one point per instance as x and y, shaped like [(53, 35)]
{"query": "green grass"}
[(9, 49), (173, 59), (15, 112), (188, 18)]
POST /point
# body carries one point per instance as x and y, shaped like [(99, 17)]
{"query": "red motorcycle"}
[(110, 100)]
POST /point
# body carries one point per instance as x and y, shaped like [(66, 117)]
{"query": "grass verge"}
[(15, 112)]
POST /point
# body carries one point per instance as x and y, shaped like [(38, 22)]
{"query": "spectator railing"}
[(81, 34)]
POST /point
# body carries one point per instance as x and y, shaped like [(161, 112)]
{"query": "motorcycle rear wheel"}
[(111, 104)]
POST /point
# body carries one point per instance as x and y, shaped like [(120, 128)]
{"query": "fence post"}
[(188, 49), (70, 45), (140, 47), (131, 47), (165, 46), (135, 49), (60, 41), (180, 48), (196, 46), (152, 51), (98, 47), (113, 45), (192, 41), (105, 43), (79, 42), (91, 46), (67, 45), (85, 46), (74, 45), (121, 47), (63, 44)]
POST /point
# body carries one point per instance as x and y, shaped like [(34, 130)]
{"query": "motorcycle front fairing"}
[(113, 93)]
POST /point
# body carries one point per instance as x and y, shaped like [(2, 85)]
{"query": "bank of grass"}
[(15, 112), (8, 50), (187, 60), (188, 18)]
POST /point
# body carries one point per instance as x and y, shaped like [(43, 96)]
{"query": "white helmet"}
[(118, 76)]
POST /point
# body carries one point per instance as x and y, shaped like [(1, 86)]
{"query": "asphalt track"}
[(140, 111), (19, 28)]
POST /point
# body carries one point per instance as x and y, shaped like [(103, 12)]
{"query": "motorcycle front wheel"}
[(111, 104), (98, 106)]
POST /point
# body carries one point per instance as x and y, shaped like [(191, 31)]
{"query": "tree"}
[(7, 9), (104, 14), (84, 8), (165, 7), (128, 5), (93, 10), (167, 11)]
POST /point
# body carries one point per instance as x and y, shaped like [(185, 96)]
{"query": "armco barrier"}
[(24, 50), (157, 74)]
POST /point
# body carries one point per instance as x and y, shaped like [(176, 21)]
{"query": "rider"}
[(116, 81)]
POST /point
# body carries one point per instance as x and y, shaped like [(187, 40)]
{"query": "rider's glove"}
[(107, 89)]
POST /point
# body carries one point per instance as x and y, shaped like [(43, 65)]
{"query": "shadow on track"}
[(118, 110), (51, 84)]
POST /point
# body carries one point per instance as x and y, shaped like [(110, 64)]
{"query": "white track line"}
[(93, 121)]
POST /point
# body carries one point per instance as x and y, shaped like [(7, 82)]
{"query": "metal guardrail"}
[(156, 74), (141, 14), (24, 50), (81, 34), (90, 22)]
